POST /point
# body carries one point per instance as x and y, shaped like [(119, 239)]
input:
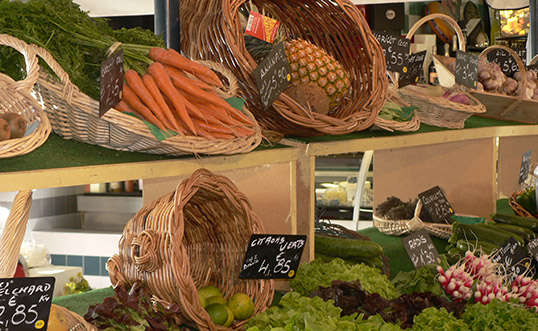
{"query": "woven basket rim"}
[(475, 108), (516, 207)]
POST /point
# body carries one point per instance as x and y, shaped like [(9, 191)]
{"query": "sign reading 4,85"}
[(25, 303)]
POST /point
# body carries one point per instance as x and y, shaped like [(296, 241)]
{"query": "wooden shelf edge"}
[(62, 177)]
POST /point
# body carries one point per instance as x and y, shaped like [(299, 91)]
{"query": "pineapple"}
[(312, 64)]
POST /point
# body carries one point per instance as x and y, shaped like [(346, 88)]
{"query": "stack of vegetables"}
[(492, 79)]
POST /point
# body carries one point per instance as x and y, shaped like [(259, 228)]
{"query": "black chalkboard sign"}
[(273, 75), (513, 258), (522, 53), (466, 69), (414, 69), (272, 256), (420, 248), (396, 51), (436, 203), (25, 303), (532, 246), (111, 82), (532, 67), (506, 61), (525, 166)]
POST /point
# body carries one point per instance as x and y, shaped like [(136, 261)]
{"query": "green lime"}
[(218, 313), (202, 300), (215, 299), (230, 319), (241, 305), (209, 291)]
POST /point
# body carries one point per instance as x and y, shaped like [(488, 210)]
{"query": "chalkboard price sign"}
[(396, 51), (532, 67), (513, 257), (414, 69), (272, 256), (466, 69), (420, 248), (111, 82), (25, 303), (436, 203), (506, 61), (525, 166), (273, 75)]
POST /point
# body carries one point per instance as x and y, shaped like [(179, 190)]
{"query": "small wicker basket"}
[(401, 227), (516, 207), (211, 30), (187, 239), (74, 115), (15, 97), (439, 111)]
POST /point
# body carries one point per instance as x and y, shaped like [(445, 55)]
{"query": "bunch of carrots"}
[(169, 99)]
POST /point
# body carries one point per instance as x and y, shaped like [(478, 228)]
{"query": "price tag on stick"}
[(273, 75), (505, 60), (396, 51), (436, 203), (272, 256), (25, 303), (416, 62), (525, 167), (466, 69), (111, 82), (420, 248), (513, 257)]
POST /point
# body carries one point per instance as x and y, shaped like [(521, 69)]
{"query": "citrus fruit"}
[(241, 305), (202, 300), (209, 291), (218, 313), (215, 299), (230, 319)]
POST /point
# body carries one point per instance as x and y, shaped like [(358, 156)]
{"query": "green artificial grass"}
[(79, 303)]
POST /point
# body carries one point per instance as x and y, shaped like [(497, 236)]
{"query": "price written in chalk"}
[(272, 256), (525, 167), (513, 258), (436, 204), (396, 51), (25, 303), (505, 60), (416, 62), (532, 246), (111, 82), (466, 69), (273, 75), (420, 248)]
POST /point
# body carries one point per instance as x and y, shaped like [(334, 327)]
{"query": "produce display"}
[(492, 79), (12, 125)]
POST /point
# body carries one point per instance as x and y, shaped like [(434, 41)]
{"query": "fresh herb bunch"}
[(78, 42)]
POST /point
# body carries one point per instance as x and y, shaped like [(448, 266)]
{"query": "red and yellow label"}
[(262, 27)]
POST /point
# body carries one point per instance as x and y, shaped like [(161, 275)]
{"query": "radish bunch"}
[(526, 290), (456, 282), (491, 288)]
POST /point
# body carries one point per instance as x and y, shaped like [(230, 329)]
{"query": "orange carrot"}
[(173, 58), (132, 100), (150, 84), (203, 133), (236, 127), (132, 78), (211, 128), (156, 70), (124, 107)]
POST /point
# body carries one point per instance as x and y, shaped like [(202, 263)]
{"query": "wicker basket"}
[(516, 207), (190, 238), (74, 115), (15, 97), (211, 29), (401, 227), (514, 108), (439, 111)]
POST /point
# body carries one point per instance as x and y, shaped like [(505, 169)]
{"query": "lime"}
[(218, 313), (215, 299), (241, 305), (202, 300), (209, 291), (230, 319)]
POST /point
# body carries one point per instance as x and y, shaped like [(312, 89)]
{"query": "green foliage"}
[(420, 280), (433, 319), (499, 315)]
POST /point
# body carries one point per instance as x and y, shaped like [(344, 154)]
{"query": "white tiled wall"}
[(78, 243)]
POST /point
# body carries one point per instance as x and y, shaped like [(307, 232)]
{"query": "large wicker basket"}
[(74, 115), (15, 97), (439, 111), (190, 238), (211, 29)]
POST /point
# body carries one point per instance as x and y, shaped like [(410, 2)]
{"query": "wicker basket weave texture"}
[(516, 207), (190, 238), (212, 30), (15, 97), (74, 115)]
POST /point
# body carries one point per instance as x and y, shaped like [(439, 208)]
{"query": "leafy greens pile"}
[(423, 279), (433, 319), (499, 315), (77, 42), (310, 276)]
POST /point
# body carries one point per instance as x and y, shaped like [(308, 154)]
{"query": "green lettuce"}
[(310, 276), (423, 279), (499, 315), (433, 319)]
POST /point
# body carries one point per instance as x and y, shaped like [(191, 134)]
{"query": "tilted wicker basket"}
[(516, 207), (190, 238), (15, 97), (74, 115), (211, 30)]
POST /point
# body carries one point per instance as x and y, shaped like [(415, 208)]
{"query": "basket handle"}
[(13, 234), (534, 60), (30, 59), (453, 24)]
